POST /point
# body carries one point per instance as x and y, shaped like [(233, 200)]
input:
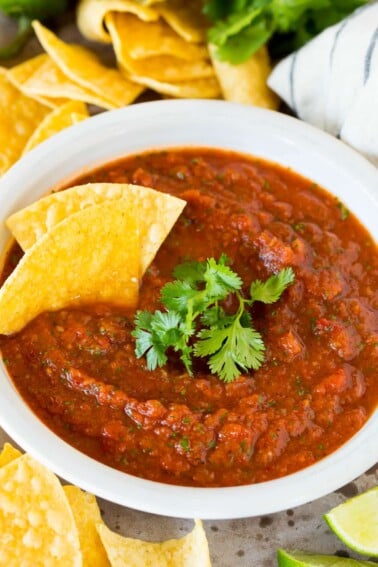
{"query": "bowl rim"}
[(44, 167)]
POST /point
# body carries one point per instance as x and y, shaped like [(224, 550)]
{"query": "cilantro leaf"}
[(240, 27), (195, 323), (271, 290)]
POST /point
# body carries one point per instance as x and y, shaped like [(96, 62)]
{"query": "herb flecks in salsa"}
[(78, 371), (229, 340)]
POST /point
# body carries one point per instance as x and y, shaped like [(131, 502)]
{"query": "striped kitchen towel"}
[(332, 82)]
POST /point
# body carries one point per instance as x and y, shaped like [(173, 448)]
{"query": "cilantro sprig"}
[(195, 324)]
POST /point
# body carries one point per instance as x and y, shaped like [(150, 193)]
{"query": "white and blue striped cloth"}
[(332, 82)]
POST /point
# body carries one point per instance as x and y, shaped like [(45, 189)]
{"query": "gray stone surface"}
[(250, 542)]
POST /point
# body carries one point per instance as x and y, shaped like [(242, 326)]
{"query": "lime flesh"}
[(300, 559), (355, 522)]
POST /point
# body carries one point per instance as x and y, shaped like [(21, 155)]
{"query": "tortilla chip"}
[(203, 88), (91, 256), (161, 67), (19, 74), (186, 18), (36, 522), (246, 83), (49, 81), (91, 15), (19, 117), (150, 39), (84, 68), (157, 213), (87, 515), (8, 454), (189, 551), (61, 118)]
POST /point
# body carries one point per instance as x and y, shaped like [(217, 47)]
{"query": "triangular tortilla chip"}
[(246, 83), (91, 256), (151, 39), (36, 522), (91, 15), (190, 551), (157, 212), (62, 117), (8, 454), (48, 83), (84, 68), (87, 515), (19, 117), (161, 67), (21, 73), (185, 17)]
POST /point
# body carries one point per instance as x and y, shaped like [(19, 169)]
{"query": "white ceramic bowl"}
[(182, 123)]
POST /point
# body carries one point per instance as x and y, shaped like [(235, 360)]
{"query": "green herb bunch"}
[(241, 27), (195, 323)]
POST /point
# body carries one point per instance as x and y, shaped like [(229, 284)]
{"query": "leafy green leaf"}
[(271, 290)]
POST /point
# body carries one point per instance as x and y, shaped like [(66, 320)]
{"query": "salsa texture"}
[(78, 371)]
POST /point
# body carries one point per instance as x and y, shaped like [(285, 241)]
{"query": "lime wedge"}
[(355, 522), (299, 559)]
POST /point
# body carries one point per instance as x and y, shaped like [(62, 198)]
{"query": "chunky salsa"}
[(78, 371)]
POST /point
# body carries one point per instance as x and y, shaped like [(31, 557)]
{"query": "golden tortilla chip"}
[(19, 117), (19, 74), (189, 551), (87, 515), (61, 118), (246, 83), (91, 15), (161, 67), (157, 212), (8, 454), (203, 88), (84, 68), (49, 81), (36, 523), (91, 256), (150, 39), (185, 17)]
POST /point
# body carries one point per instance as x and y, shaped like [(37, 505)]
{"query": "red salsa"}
[(77, 368)]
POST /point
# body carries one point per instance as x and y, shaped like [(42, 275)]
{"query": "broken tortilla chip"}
[(150, 39), (36, 522), (246, 83), (91, 15), (64, 116), (85, 69), (161, 67), (190, 551), (186, 18), (8, 454), (157, 212), (87, 515), (65, 254), (19, 117)]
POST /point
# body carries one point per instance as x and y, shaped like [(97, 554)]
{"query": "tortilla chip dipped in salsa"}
[(36, 522), (91, 256), (62, 117), (191, 550), (85, 69), (157, 213)]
